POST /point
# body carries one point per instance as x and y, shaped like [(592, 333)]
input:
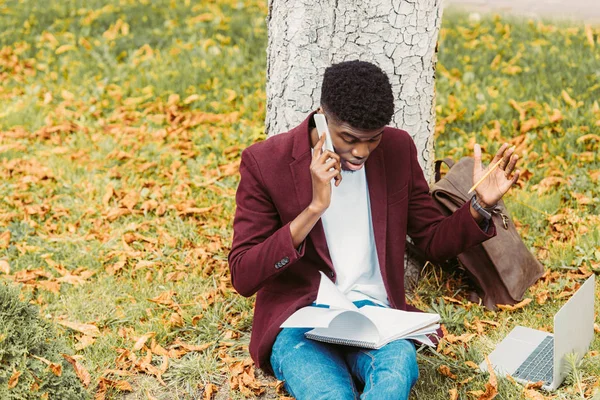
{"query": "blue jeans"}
[(316, 370)]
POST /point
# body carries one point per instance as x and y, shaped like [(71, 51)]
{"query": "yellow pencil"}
[(485, 176)]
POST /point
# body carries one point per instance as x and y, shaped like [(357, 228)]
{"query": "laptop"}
[(530, 355)]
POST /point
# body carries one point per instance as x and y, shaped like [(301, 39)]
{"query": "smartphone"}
[(321, 123)]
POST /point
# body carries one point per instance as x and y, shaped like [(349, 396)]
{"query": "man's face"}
[(353, 145)]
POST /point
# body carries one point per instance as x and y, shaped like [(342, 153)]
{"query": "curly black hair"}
[(358, 93)]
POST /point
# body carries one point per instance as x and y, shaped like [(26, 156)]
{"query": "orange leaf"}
[(142, 340), (14, 379), (453, 394), (471, 364), (110, 191), (491, 387), (532, 394), (122, 386), (54, 367), (4, 239), (445, 370), (80, 371), (521, 304), (209, 391)]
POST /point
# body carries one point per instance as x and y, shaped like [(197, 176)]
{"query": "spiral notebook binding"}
[(344, 342)]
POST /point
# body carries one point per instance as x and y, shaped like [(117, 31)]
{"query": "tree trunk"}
[(306, 36)]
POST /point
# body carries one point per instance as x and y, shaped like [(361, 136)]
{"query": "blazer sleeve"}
[(262, 247), (438, 236)]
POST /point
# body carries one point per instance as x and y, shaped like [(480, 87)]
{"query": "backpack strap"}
[(438, 164)]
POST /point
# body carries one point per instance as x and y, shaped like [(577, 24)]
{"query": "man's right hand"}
[(324, 167)]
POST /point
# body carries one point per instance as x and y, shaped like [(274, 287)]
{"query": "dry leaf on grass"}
[(521, 304), (445, 370), (453, 394), (80, 371), (54, 367), (142, 340), (4, 267), (209, 391), (533, 394), (491, 387), (86, 329), (14, 379)]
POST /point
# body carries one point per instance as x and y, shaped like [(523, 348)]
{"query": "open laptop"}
[(530, 355)]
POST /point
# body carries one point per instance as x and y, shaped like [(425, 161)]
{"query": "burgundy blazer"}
[(276, 186)]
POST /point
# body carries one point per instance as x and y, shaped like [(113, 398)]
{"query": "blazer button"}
[(331, 274)]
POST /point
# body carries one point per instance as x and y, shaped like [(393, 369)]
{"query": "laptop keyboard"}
[(540, 364)]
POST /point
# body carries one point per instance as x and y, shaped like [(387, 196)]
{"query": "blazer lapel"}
[(378, 198)]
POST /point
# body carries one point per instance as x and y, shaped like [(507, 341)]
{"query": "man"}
[(292, 222)]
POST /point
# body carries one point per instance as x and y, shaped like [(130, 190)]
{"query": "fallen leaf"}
[(122, 386), (209, 391), (86, 329), (84, 341), (471, 364), (4, 267), (445, 370), (533, 394), (80, 371), (521, 304), (14, 379), (4, 239), (142, 340), (491, 387), (453, 394), (54, 367)]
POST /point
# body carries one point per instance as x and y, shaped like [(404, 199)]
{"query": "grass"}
[(121, 126)]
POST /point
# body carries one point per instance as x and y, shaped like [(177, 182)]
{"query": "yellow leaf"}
[(84, 341), (64, 48), (589, 34), (200, 18), (86, 329), (191, 99), (68, 96), (568, 99), (4, 267)]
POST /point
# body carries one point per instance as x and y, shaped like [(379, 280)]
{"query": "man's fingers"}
[(318, 150), (500, 154), (511, 165), (477, 156)]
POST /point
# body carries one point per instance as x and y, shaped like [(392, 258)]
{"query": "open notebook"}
[(341, 322)]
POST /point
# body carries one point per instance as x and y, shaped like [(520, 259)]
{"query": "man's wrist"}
[(481, 208)]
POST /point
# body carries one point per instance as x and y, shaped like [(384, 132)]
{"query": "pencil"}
[(485, 176)]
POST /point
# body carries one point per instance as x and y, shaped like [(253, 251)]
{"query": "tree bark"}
[(306, 36)]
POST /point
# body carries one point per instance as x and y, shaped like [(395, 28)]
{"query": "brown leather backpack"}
[(502, 268)]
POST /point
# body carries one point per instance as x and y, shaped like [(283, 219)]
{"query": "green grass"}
[(118, 97)]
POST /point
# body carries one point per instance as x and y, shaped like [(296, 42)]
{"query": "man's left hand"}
[(491, 190)]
